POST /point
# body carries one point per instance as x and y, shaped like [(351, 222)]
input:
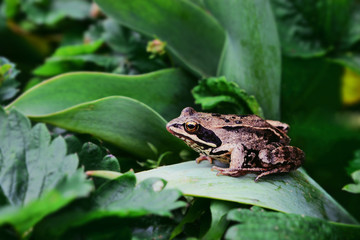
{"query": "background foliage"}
[(106, 76)]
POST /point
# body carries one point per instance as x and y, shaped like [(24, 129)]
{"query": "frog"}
[(244, 143)]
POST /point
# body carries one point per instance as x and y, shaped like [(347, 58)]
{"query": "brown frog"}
[(248, 143)]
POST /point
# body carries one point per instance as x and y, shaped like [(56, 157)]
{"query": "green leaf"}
[(258, 224), (192, 35), (354, 187), (166, 91), (354, 164), (294, 192), (354, 28), (9, 8), (94, 157), (308, 30), (219, 223), (313, 113), (298, 29), (131, 129), (251, 55), (8, 84), (74, 57), (74, 50), (36, 176), (199, 206), (120, 198), (51, 12), (350, 60), (219, 95)]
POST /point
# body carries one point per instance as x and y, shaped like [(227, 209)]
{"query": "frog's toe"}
[(216, 168), (202, 158), (228, 171)]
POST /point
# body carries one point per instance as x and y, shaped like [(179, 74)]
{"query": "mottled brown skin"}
[(248, 143)]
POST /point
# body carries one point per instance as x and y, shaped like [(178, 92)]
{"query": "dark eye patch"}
[(208, 136)]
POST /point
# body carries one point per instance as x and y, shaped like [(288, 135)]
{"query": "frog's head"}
[(190, 127)]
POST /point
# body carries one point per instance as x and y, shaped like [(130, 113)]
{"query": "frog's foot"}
[(285, 168), (202, 158), (233, 172)]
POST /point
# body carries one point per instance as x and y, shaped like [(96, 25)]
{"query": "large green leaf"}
[(120, 198), (258, 224), (295, 192), (313, 113), (251, 56), (166, 91), (191, 34), (123, 121), (36, 176)]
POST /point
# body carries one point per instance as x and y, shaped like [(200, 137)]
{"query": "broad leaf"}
[(191, 34), (36, 176), (258, 224), (294, 192), (354, 187), (251, 56), (122, 121), (166, 91), (120, 198), (219, 95)]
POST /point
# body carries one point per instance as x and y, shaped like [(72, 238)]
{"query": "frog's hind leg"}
[(279, 125), (281, 159), (286, 168)]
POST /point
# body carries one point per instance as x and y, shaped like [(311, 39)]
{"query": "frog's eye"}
[(191, 126)]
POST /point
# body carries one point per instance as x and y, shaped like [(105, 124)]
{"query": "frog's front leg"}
[(203, 157), (237, 159)]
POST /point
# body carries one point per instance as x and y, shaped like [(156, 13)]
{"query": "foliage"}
[(119, 197), (36, 176), (259, 224), (106, 76), (219, 95), (8, 83), (354, 187), (293, 193), (354, 164)]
